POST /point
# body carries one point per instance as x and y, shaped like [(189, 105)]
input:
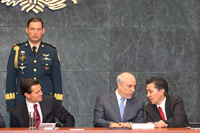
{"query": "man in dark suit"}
[(165, 110), (108, 112), (33, 59), (47, 106)]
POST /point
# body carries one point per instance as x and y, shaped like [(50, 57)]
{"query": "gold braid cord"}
[(16, 48), (37, 5)]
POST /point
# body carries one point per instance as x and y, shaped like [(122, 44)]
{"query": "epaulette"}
[(51, 45), (17, 44)]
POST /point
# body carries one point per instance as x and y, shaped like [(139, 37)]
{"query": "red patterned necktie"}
[(161, 113), (37, 116)]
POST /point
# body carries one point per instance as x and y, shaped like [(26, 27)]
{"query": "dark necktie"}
[(121, 108), (161, 113), (37, 116), (34, 49)]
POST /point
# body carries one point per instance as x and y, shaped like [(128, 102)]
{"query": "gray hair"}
[(120, 79)]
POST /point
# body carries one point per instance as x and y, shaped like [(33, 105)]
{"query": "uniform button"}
[(22, 64), (34, 70), (35, 78), (35, 61), (46, 64)]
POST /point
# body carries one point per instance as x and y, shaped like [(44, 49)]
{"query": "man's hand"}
[(160, 124), (124, 125), (119, 125), (114, 125)]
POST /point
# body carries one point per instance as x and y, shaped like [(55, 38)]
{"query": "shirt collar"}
[(118, 96), (31, 45), (30, 105), (162, 105)]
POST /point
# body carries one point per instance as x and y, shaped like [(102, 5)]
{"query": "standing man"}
[(33, 59), (119, 108), (165, 110), (46, 107)]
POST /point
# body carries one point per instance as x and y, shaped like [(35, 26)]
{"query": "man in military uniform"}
[(33, 59)]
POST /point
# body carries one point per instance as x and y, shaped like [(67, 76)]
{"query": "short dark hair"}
[(26, 84), (34, 19), (160, 83)]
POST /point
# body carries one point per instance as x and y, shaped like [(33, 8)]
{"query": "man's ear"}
[(162, 91), (119, 85), (43, 31), (26, 29), (27, 95)]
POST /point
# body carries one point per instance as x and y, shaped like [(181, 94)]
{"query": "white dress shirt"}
[(31, 108), (162, 105), (118, 99)]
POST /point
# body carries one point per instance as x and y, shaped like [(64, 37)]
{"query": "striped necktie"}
[(37, 116)]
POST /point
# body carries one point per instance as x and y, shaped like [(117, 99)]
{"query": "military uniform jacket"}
[(44, 66)]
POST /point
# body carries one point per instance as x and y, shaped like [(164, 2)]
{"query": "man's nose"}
[(35, 31), (133, 89), (147, 94)]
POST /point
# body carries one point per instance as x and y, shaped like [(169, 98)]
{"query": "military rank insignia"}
[(22, 69), (46, 57), (22, 57), (46, 68)]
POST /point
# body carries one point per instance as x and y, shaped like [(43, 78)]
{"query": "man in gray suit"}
[(108, 112)]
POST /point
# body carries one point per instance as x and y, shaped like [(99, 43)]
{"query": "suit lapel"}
[(113, 100), (28, 49), (25, 114), (42, 106), (40, 51), (167, 105), (129, 105), (155, 113)]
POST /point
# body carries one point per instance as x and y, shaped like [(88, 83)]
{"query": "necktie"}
[(121, 108), (34, 49), (161, 113), (37, 116)]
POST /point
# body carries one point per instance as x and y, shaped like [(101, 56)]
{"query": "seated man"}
[(165, 110), (119, 108), (46, 107), (2, 122)]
